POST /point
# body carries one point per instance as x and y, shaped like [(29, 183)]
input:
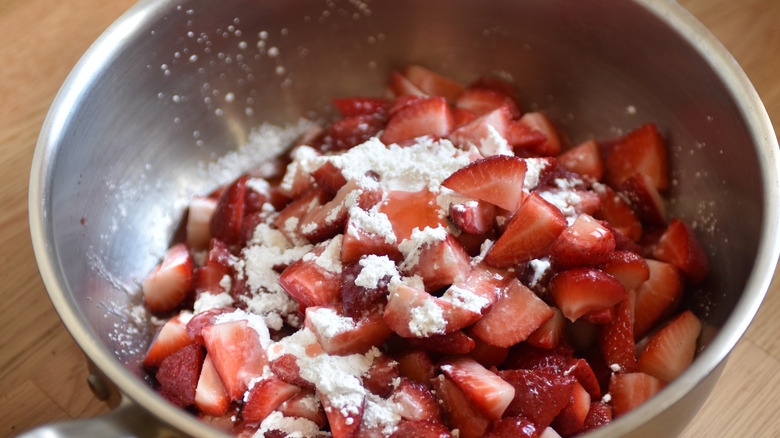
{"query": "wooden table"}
[(42, 370)]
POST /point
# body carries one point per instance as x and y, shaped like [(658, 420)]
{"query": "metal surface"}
[(172, 85)]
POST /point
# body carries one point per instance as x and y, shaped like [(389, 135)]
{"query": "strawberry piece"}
[(539, 395), (489, 393), (584, 159), (678, 245), (195, 325), (314, 280), (417, 366), (380, 376), (415, 401), (644, 199), (497, 180), (286, 368), (431, 116), (171, 337), (402, 102), (265, 396), (439, 263), (616, 340), (237, 354), (400, 85), (514, 427), (409, 210), (487, 355), (327, 220), (199, 215), (551, 333), (631, 390), (473, 217), (527, 356), (413, 313), (551, 146), (496, 84), (452, 343), (421, 429), (618, 212), (599, 415), (656, 297), (582, 290), (487, 132), (640, 151), (517, 313), (361, 106), (357, 299), (581, 370), (586, 242), (352, 131), (481, 101), (343, 423), (229, 213), (178, 374), (572, 418), (480, 289), (361, 239), (342, 335), (305, 404), (462, 116), (629, 268), (533, 228), (432, 83), (329, 177), (670, 351), (459, 412), (211, 397), (288, 219), (524, 138), (170, 282)]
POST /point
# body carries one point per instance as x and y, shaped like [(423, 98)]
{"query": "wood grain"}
[(43, 372)]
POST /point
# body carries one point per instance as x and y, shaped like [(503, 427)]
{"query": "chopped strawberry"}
[(432, 83), (199, 215), (533, 228), (171, 337), (286, 368), (582, 290), (343, 423), (229, 213), (459, 412), (342, 335), (629, 268), (360, 240), (551, 333), (484, 100), (644, 199), (439, 263), (679, 246), (489, 393), (265, 396), (352, 131), (402, 102), (640, 151), (540, 395), (196, 324), (586, 242), (527, 356), (473, 217), (431, 116), (170, 282), (237, 353), (361, 106), (551, 146), (452, 343), (514, 427), (572, 418), (400, 85), (312, 282), (211, 397), (329, 177), (495, 83), (517, 313), (600, 414), (356, 298), (413, 313), (421, 429), (497, 180), (416, 365), (306, 405), (670, 351), (327, 220), (178, 374), (584, 159), (480, 288), (415, 401), (656, 297), (616, 340), (380, 376), (582, 371), (487, 132), (618, 212), (630, 390), (288, 219), (409, 210), (524, 138)]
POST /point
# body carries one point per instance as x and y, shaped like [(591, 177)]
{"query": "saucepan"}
[(139, 125)]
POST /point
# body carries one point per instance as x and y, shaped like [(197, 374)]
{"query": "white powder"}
[(535, 168), (566, 201), (294, 344), (427, 319), (292, 427), (371, 222), (494, 143), (381, 414), (254, 321), (328, 323), (408, 168), (412, 246), (374, 269), (330, 259), (540, 267), (207, 301), (465, 298), (305, 160)]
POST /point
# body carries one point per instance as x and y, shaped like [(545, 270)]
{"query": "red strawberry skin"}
[(178, 374), (170, 282), (642, 150), (580, 291), (485, 389), (679, 246), (431, 116), (670, 351), (229, 214), (539, 395), (497, 179)]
